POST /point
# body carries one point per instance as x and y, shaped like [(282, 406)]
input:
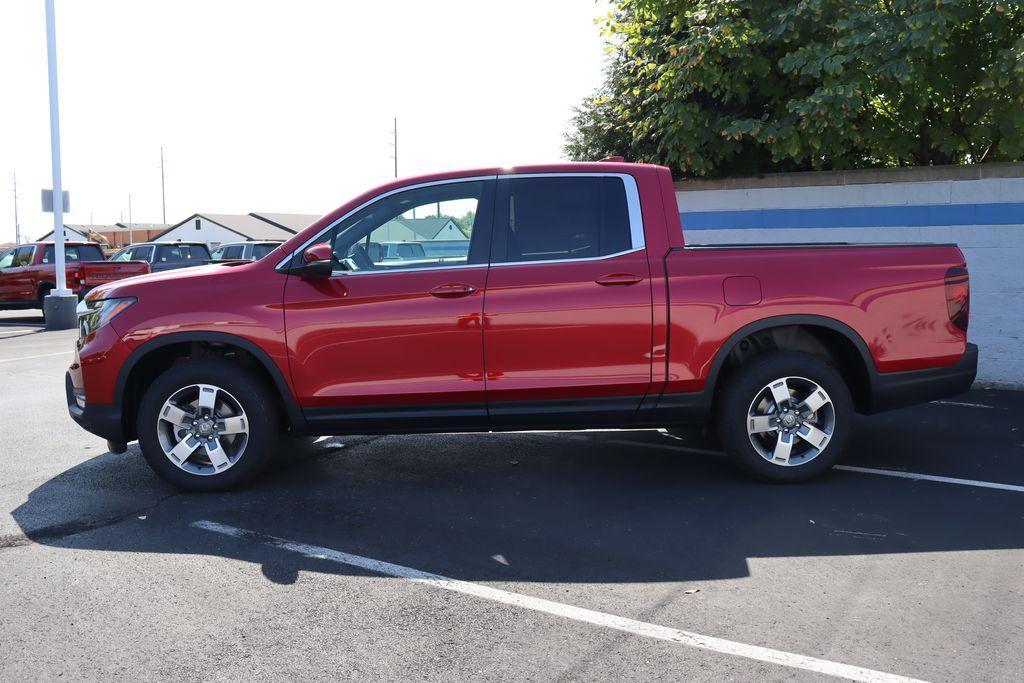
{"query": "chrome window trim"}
[(540, 262), (636, 223), (636, 219), (350, 273), (372, 200)]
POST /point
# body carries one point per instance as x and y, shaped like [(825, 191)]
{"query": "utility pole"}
[(163, 193), (130, 240), (17, 225), (394, 143), (59, 307)]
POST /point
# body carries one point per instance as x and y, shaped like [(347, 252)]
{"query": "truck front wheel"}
[(785, 416), (207, 425)]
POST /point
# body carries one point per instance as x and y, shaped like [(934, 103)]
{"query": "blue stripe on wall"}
[(1004, 213)]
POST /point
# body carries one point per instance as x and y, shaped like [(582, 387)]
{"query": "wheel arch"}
[(834, 334), (147, 357)]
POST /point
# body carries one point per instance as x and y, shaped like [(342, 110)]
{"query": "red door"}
[(568, 304), (393, 337)]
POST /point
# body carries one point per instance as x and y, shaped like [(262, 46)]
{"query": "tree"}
[(742, 87)]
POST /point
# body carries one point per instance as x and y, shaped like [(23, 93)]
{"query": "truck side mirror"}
[(317, 262)]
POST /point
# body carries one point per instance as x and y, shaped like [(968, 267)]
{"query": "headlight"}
[(92, 315)]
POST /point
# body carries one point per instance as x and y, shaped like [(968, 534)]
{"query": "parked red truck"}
[(28, 273), (575, 303)]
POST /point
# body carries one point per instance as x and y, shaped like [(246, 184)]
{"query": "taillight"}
[(958, 296)]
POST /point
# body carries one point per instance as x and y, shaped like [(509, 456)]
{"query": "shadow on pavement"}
[(580, 507), (22, 319)]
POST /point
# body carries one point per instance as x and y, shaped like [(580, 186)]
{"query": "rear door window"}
[(198, 252), (142, 253), (261, 250), (560, 218), (74, 252), (235, 251), (170, 253)]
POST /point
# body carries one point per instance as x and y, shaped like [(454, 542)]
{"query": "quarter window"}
[(565, 218)]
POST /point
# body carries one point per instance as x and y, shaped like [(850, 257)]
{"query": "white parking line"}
[(963, 404), (41, 355), (931, 477), (851, 468), (6, 330), (640, 628)]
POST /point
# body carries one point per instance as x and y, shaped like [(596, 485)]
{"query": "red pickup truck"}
[(28, 273), (574, 302)]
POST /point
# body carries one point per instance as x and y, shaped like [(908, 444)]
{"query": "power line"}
[(394, 143)]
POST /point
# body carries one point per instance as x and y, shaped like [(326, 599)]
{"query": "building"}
[(217, 228), (72, 233), (113, 236), (419, 230), (124, 234), (296, 222)]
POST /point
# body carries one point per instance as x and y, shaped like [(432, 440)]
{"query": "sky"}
[(275, 106)]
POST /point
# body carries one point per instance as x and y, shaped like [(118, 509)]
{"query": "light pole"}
[(17, 225), (163, 191), (59, 307)]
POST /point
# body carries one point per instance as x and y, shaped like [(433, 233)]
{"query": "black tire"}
[(255, 398), (747, 383), (44, 291)]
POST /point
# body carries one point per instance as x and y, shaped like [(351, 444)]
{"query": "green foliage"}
[(465, 222), (742, 87)]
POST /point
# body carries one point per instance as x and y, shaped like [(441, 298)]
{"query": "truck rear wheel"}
[(207, 425), (44, 292), (785, 416)]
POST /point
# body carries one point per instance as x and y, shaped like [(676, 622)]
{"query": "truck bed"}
[(890, 297)]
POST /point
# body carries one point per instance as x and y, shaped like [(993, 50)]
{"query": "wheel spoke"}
[(757, 424), (233, 425), (815, 400), (207, 397), (782, 448), (813, 436), (176, 416), (780, 392), (184, 448), (218, 458)]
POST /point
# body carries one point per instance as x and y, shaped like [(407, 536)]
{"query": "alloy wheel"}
[(202, 429), (791, 421)]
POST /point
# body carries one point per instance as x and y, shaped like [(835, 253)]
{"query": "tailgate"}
[(95, 273)]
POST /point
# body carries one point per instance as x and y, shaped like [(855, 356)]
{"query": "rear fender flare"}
[(784, 320)]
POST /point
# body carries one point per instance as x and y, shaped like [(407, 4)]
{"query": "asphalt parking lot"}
[(587, 555)]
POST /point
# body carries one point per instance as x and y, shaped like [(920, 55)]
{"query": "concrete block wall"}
[(981, 208)]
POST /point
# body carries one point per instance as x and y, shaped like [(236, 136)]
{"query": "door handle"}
[(452, 290), (618, 280)]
